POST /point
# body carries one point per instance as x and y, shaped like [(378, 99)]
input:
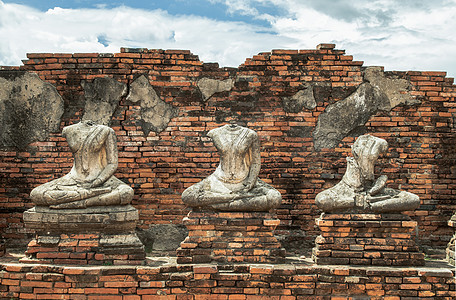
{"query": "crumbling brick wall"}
[(280, 94)]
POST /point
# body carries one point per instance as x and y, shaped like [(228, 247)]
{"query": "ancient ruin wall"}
[(196, 282), (307, 107)]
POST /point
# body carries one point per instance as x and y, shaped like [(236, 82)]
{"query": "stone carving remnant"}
[(304, 98), (209, 87), (234, 186), (344, 116), (395, 89), (90, 181), (359, 190), (378, 93), (155, 113), (30, 109), (102, 99)]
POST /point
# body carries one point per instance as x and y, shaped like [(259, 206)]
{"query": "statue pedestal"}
[(230, 237), (367, 239), (94, 236), (450, 250)]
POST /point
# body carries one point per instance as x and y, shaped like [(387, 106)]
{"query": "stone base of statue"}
[(367, 239), (230, 237), (450, 250), (95, 236)]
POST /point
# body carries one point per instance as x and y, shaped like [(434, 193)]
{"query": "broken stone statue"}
[(90, 181), (359, 190), (234, 186), (87, 204)]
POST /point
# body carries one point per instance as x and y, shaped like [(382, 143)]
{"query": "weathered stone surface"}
[(91, 181), (29, 109), (163, 237), (359, 190), (110, 219), (209, 87), (302, 99), (246, 78), (155, 113), (340, 118), (379, 93), (95, 235), (234, 186), (395, 89), (116, 240), (102, 98)]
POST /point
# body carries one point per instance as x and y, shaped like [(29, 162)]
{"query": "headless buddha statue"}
[(359, 191), (90, 181), (234, 186)]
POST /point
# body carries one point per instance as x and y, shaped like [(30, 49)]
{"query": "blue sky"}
[(400, 35), (201, 8)]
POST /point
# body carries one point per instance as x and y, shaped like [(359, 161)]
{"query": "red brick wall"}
[(201, 282), (159, 166)]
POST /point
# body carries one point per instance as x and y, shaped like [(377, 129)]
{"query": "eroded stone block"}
[(302, 99), (29, 109), (209, 86), (102, 99), (377, 93), (155, 113)]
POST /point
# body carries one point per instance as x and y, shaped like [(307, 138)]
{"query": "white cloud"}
[(26, 30), (400, 35)]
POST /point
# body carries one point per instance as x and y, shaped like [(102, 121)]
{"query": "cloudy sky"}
[(397, 34)]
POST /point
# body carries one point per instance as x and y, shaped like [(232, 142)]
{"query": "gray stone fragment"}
[(102, 98), (119, 218), (120, 240), (29, 109), (355, 279), (209, 87), (379, 93), (302, 99), (246, 78), (340, 118), (163, 237), (48, 240), (155, 113), (395, 89)]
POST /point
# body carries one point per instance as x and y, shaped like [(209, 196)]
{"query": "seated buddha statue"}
[(234, 186), (359, 190), (91, 181)]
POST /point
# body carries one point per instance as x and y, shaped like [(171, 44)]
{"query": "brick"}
[(261, 269), (117, 284), (111, 291), (205, 269), (37, 284)]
